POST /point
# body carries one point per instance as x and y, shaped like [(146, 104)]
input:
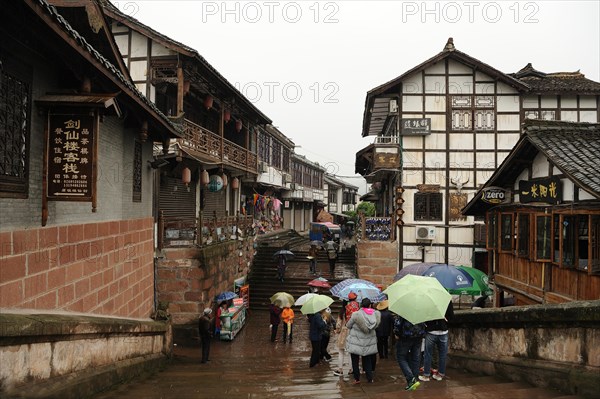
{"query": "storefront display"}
[(233, 320)]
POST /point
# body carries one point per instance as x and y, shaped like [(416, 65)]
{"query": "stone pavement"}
[(252, 367)]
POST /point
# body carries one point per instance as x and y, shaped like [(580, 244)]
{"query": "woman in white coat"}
[(362, 339)]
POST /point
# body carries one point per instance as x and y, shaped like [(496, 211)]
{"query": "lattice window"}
[(276, 154), (548, 115), (286, 160), (484, 120), (461, 120), (428, 206), (137, 172), (15, 110), (263, 147), (470, 113)]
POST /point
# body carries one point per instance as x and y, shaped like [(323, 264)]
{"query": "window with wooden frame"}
[(428, 206), (506, 232), (543, 238), (473, 112), (568, 240), (492, 231), (15, 114), (556, 239), (276, 154), (594, 262), (523, 236)]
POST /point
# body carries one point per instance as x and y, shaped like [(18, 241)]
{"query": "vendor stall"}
[(233, 320)]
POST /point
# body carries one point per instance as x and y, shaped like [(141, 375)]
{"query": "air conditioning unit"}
[(262, 167), (425, 233), (393, 106), (287, 178), (292, 186)]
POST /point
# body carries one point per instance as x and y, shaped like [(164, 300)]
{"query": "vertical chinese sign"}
[(70, 159)]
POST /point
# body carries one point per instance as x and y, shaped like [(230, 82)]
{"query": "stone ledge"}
[(88, 383)]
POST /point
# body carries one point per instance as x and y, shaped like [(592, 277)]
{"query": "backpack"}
[(405, 329)]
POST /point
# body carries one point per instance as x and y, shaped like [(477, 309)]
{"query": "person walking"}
[(275, 319), (331, 248), (384, 329), (436, 337), (287, 317), (342, 333), (315, 334), (326, 336), (204, 332), (313, 252), (362, 339), (408, 350), (281, 266)]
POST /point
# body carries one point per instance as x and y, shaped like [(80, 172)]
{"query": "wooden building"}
[(542, 209), (440, 131), (341, 197), (76, 225)]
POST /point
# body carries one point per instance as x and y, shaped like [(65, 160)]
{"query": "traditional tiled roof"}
[(573, 147), (53, 12), (556, 82)]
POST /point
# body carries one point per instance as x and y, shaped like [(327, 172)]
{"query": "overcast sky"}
[(309, 64)]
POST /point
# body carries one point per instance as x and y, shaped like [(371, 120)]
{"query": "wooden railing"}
[(181, 232), (205, 142)]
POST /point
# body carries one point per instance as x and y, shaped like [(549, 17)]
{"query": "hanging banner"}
[(70, 161)]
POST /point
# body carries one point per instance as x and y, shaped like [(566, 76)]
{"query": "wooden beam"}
[(179, 90)]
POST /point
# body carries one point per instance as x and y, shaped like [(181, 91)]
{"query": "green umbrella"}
[(418, 298), (480, 283), (282, 299), (316, 303)]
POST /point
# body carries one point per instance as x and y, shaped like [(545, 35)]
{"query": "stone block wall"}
[(104, 268), (377, 261), (190, 278), (556, 346)]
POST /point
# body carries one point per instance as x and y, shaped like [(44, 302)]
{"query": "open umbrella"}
[(451, 278), (225, 296), (418, 298), (319, 282), (316, 304), (282, 299), (317, 243), (304, 298), (418, 269), (362, 289), (288, 254), (479, 286)]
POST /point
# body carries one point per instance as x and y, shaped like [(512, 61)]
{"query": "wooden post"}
[(222, 128), (179, 90)]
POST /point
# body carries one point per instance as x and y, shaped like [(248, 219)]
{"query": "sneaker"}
[(338, 373), (355, 382), (414, 384), (424, 378), (437, 376)]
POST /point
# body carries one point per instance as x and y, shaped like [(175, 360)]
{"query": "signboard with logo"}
[(494, 195), (415, 126), (548, 190)]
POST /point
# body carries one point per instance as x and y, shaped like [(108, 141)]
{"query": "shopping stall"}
[(233, 320)]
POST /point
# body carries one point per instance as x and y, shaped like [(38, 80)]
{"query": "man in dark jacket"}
[(437, 336), (384, 329), (204, 331), (275, 319), (315, 334)]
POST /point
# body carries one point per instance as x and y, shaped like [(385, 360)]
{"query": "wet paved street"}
[(253, 367)]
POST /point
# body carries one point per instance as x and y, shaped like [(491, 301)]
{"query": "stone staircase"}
[(263, 281)]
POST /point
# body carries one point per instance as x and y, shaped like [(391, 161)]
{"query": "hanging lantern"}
[(186, 175), (224, 177), (215, 184), (235, 183), (238, 125), (227, 115), (208, 101), (204, 178)]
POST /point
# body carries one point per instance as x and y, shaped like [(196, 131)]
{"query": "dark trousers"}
[(367, 364), (408, 352), (324, 345), (331, 265), (382, 346), (274, 328), (205, 341), (315, 355), (287, 331)]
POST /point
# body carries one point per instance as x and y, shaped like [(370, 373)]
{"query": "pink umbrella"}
[(319, 282)]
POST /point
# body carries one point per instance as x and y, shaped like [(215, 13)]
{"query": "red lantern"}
[(204, 178), (235, 183), (224, 177), (238, 125), (227, 116), (186, 176), (208, 101)]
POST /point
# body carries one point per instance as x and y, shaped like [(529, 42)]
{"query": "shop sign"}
[(415, 126), (70, 161), (548, 190), (494, 195)]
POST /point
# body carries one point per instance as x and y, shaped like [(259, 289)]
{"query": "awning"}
[(92, 100), (371, 196)]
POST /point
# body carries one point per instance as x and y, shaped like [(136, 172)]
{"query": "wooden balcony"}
[(213, 148), (383, 156)]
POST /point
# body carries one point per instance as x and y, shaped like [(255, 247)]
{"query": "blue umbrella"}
[(362, 289), (417, 269), (225, 296), (450, 276)]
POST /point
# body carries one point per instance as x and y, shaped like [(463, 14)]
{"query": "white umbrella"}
[(302, 300)]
